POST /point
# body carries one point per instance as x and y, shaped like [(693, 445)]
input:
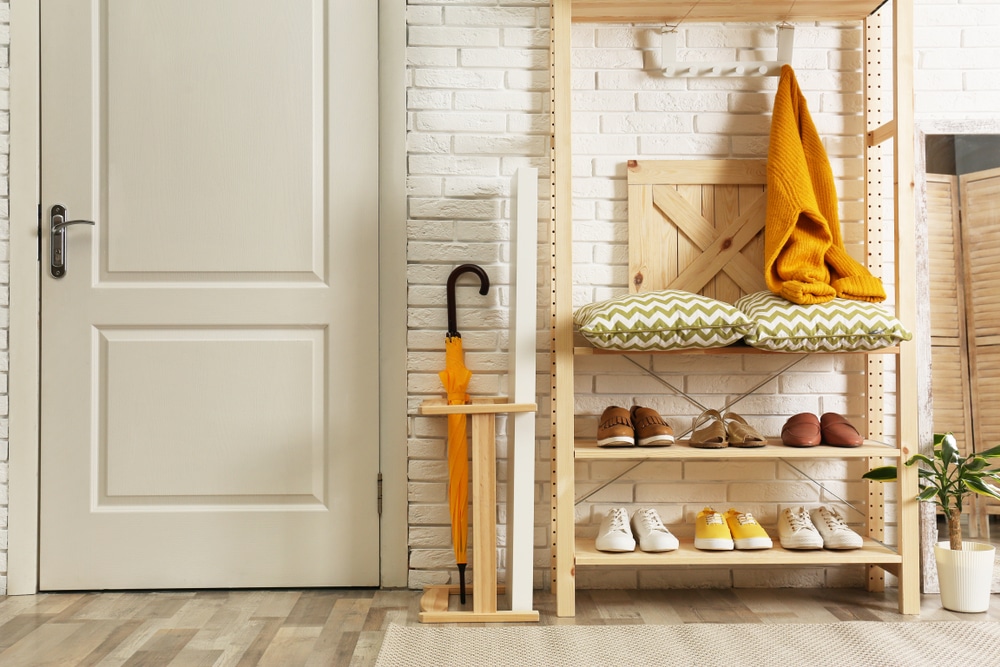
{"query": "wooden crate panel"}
[(697, 226)]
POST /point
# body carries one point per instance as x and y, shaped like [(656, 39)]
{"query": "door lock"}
[(57, 246)]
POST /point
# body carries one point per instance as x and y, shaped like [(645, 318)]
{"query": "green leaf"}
[(919, 457), (928, 494), (949, 449), (882, 474), (975, 464), (991, 453), (982, 488)]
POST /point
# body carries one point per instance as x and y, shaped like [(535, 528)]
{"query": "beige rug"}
[(847, 644)]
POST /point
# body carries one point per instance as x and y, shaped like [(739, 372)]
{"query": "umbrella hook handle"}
[(452, 279)]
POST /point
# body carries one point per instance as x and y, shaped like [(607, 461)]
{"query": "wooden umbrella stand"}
[(434, 604)]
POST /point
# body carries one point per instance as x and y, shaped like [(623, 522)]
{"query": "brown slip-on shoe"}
[(615, 428), (801, 430), (650, 429), (839, 432), (708, 431)]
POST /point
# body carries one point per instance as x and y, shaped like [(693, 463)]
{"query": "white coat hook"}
[(668, 49), (672, 67), (786, 40)]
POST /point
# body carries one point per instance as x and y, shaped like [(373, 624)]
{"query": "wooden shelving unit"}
[(568, 550)]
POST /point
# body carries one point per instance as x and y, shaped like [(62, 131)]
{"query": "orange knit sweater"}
[(804, 256)]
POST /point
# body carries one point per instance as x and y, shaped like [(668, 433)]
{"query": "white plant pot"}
[(965, 576)]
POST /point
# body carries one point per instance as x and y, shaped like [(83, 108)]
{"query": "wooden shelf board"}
[(583, 350), (711, 11), (478, 406), (870, 553), (588, 449)]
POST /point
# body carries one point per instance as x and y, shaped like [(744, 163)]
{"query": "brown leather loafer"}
[(650, 428), (801, 430), (615, 428), (839, 432)]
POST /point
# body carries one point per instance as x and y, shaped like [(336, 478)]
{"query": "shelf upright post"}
[(874, 366), (561, 230), (906, 304)]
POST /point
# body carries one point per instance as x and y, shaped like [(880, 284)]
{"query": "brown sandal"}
[(712, 434), (740, 433)]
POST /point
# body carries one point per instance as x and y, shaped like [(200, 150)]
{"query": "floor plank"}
[(321, 627)]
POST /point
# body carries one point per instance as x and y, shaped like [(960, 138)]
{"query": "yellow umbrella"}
[(455, 378)]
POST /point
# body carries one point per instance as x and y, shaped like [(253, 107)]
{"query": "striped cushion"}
[(840, 325), (665, 320)]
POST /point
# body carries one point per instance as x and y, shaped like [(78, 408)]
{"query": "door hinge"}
[(379, 484), (39, 258)]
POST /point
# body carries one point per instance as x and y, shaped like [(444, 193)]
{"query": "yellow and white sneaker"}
[(711, 532), (747, 533)]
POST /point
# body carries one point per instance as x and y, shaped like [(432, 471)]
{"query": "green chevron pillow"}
[(840, 325), (665, 320)]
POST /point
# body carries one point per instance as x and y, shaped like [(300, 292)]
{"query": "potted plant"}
[(948, 479)]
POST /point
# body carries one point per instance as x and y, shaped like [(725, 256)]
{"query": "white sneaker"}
[(796, 530), (614, 533), (833, 528), (652, 534)]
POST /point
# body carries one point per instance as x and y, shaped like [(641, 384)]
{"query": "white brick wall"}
[(477, 103), (957, 56), (477, 110), (622, 111)]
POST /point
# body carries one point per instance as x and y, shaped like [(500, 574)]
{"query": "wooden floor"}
[(287, 628)]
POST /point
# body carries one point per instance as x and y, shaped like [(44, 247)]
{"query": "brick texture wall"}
[(472, 118)]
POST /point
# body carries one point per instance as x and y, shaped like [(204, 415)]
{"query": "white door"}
[(209, 359)]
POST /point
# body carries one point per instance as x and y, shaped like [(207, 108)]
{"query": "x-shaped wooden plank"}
[(720, 248)]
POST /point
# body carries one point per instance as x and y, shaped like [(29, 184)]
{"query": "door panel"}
[(980, 204), (209, 385), (950, 384), (271, 380), (258, 108)]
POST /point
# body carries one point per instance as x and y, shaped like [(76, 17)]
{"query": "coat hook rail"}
[(674, 67)]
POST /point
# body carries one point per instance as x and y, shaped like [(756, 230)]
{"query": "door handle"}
[(57, 232)]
